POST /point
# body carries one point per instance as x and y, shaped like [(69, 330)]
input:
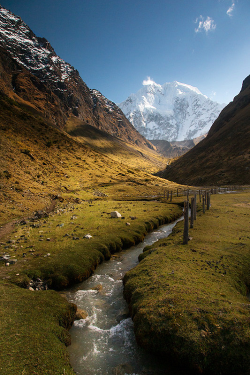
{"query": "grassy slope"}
[(137, 157), (189, 301), (38, 161)]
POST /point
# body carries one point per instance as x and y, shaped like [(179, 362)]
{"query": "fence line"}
[(204, 198)]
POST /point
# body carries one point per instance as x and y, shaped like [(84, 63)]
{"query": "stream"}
[(104, 342)]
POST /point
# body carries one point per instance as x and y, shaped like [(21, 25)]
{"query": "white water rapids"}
[(104, 342)]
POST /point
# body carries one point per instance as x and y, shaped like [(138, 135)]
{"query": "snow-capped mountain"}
[(61, 94), (172, 111)]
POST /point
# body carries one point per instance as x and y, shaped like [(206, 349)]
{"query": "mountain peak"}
[(173, 111)]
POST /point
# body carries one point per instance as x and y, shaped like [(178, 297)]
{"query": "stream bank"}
[(190, 301), (104, 342)]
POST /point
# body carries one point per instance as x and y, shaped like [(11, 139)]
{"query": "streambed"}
[(104, 342)]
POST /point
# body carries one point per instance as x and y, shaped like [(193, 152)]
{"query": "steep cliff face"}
[(59, 83), (223, 157), (18, 84), (111, 119), (173, 111)]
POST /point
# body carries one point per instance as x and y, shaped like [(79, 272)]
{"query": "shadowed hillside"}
[(223, 157)]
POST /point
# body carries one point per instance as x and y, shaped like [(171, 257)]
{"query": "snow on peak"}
[(149, 81), (189, 87), (172, 111), (34, 53)]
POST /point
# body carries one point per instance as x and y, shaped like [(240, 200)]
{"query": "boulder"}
[(115, 214)]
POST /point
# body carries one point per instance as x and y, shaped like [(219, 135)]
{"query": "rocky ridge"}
[(59, 82)]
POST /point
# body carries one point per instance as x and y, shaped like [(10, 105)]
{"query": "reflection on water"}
[(104, 342)]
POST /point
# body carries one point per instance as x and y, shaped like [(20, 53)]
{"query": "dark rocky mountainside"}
[(53, 87), (223, 157)]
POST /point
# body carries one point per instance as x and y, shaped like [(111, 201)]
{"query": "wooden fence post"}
[(192, 213), (171, 196), (208, 201), (203, 203), (195, 206), (185, 231)]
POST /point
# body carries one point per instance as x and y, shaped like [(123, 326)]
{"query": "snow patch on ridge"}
[(35, 54)]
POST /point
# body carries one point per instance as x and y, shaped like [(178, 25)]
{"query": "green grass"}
[(34, 332), (72, 257), (190, 301)]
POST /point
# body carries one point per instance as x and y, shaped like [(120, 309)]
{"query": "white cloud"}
[(230, 10), (206, 25)]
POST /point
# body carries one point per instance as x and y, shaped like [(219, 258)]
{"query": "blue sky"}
[(116, 45)]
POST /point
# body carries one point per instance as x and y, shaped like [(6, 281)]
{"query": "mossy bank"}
[(189, 302), (53, 248)]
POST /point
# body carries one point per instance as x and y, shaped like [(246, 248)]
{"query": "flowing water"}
[(104, 342)]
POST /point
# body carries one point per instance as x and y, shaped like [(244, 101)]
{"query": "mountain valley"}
[(79, 183)]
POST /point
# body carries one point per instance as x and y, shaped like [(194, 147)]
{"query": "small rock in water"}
[(98, 287), (81, 314)]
